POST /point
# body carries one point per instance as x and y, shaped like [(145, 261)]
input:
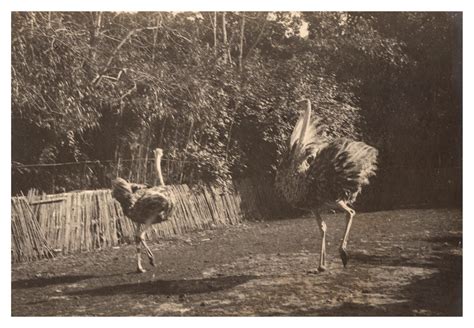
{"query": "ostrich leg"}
[(322, 229), (138, 245), (349, 216), (149, 253), (140, 240)]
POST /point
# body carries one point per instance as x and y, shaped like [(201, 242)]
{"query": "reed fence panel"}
[(87, 220)]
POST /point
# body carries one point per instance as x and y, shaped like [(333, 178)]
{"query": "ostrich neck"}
[(158, 170)]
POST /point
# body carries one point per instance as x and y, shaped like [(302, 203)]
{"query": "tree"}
[(218, 90)]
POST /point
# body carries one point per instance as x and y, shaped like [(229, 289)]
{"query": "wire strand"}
[(21, 165)]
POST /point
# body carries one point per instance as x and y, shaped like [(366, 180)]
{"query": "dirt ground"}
[(406, 262)]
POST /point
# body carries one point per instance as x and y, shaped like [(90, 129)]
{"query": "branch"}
[(129, 91), (175, 32), (242, 14), (257, 40), (120, 45), (114, 78)]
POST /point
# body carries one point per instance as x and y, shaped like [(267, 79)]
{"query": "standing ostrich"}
[(317, 173), (144, 205)]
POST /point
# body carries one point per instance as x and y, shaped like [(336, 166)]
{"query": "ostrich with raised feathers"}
[(317, 172), (144, 205)]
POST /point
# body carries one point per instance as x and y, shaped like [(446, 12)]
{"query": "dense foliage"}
[(217, 91)]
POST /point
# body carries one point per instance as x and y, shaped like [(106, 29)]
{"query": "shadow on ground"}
[(169, 287), (47, 281), (453, 240), (440, 294), (385, 260)]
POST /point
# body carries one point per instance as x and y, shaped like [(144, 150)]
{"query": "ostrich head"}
[(158, 152)]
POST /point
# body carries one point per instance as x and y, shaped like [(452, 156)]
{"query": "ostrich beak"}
[(158, 152)]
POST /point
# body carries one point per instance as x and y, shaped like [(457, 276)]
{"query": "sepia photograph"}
[(236, 163)]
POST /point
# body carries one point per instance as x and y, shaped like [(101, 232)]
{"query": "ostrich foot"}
[(140, 270), (320, 269), (344, 256), (152, 262)]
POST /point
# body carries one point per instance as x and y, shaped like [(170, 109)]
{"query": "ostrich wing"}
[(152, 204), (137, 186), (341, 169)]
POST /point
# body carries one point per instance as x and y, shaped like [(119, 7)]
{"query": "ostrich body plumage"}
[(141, 203), (335, 171)]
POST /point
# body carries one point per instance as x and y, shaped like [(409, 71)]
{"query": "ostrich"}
[(316, 173), (144, 205)]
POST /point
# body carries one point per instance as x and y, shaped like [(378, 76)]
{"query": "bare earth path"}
[(406, 262)]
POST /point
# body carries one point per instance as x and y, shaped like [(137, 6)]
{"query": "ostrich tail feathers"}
[(313, 134), (121, 187), (122, 192), (296, 131)]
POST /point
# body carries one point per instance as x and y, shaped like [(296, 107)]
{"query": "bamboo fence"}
[(28, 240), (88, 220)]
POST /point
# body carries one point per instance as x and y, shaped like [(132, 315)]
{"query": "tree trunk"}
[(163, 127), (242, 27), (94, 35), (190, 131), (224, 37), (214, 30), (99, 22), (155, 35)]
